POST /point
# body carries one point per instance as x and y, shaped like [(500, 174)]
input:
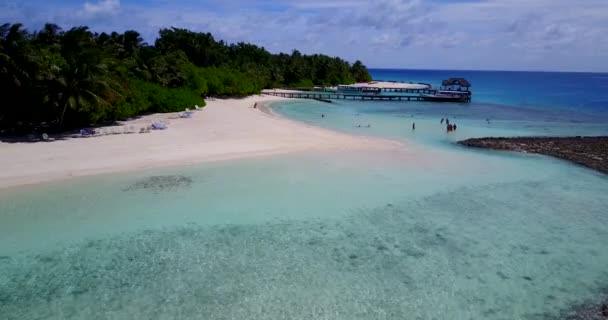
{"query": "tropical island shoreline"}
[(590, 152), (225, 129)]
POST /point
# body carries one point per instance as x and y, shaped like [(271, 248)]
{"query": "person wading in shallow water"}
[(414, 126), (323, 116), (442, 120)]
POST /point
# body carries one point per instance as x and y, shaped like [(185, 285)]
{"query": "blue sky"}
[(556, 35)]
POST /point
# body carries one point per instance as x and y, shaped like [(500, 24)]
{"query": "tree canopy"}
[(61, 79)]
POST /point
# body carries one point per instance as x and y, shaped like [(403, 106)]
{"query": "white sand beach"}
[(224, 129)]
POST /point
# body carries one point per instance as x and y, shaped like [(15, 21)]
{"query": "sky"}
[(540, 35)]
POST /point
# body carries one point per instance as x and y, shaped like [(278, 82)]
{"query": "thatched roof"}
[(456, 81)]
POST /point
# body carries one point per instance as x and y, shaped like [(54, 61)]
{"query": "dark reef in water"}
[(591, 152), (588, 312), (161, 183)]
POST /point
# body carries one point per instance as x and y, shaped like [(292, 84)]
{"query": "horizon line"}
[(487, 70)]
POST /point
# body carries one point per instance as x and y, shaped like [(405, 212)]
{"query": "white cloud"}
[(101, 7), (325, 4)]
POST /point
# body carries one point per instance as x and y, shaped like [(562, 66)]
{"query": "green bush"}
[(172, 100), (145, 97), (304, 83)]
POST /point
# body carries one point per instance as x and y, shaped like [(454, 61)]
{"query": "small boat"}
[(447, 96), (452, 90)]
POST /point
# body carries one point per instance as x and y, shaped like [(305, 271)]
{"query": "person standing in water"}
[(414, 126), (322, 115), (447, 121), (442, 120)]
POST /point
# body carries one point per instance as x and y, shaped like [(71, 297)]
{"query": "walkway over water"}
[(323, 96)]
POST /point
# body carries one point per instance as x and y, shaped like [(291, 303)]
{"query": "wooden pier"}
[(360, 90), (451, 90), (344, 96), (403, 90)]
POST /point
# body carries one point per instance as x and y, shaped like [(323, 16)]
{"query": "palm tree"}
[(50, 35), (82, 86), (13, 55), (84, 81), (132, 42), (18, 68)]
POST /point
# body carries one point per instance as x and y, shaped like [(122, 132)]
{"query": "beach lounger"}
[(87, 132), (45, 137), (185, 115), (129, 129), (159, 125)]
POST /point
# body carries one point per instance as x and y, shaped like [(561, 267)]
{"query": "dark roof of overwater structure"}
[(456, 81)]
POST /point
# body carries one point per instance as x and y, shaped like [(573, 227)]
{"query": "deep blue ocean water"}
[(584, 92)]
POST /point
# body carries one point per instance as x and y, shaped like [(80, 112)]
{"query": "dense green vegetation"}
[(63, 79)]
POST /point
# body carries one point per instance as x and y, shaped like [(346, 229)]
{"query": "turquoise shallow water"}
[(445, 233)]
